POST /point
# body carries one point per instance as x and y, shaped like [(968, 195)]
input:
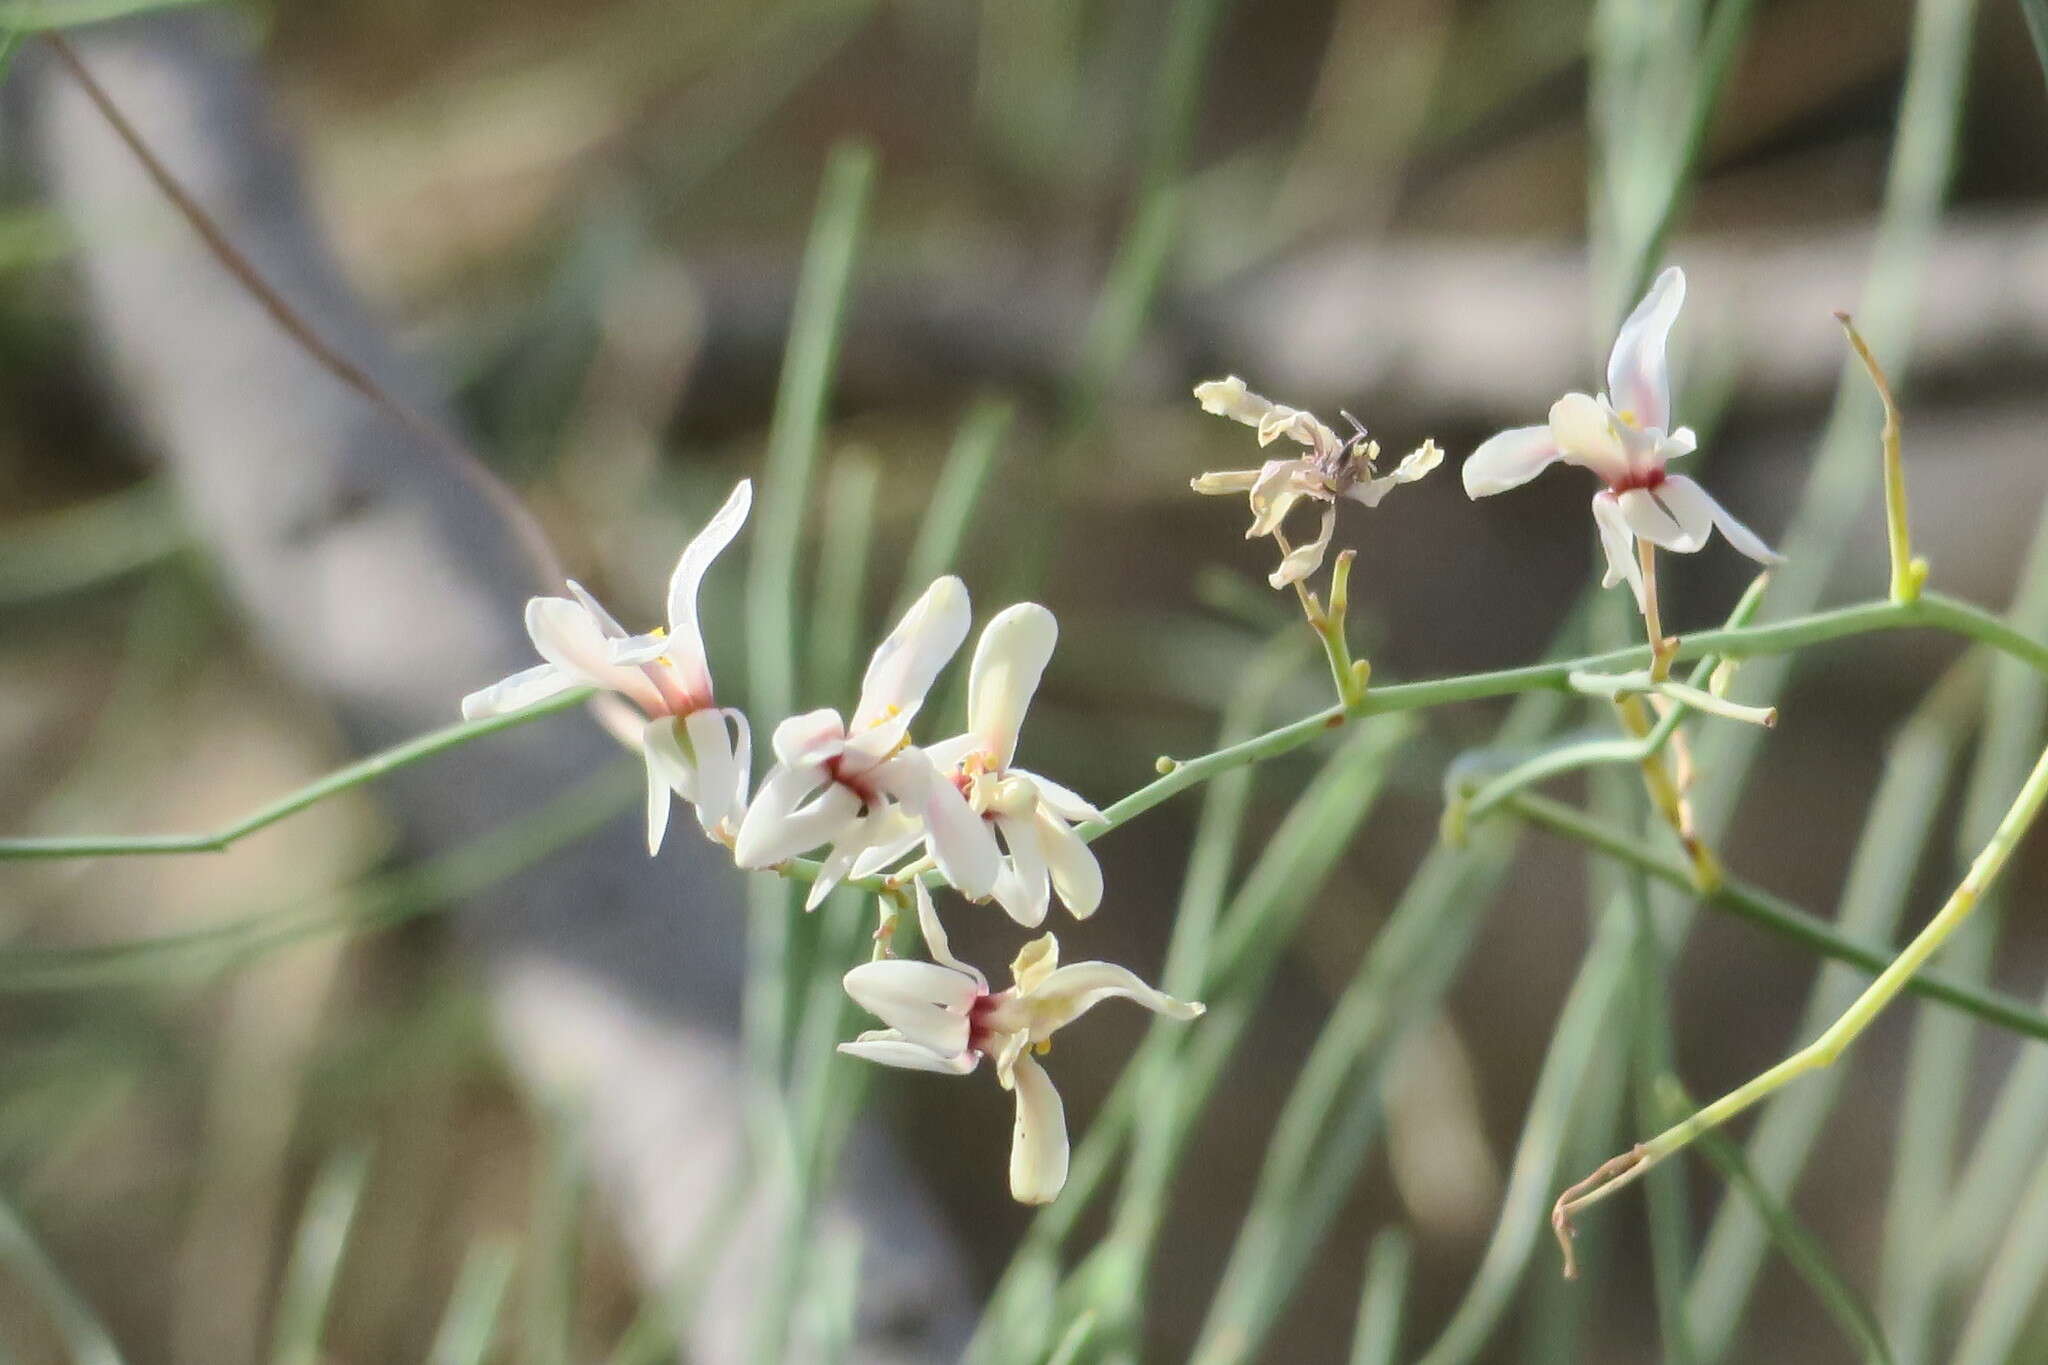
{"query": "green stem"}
[(1779, 916), (1931, 611), (1824, 1050), (342, 779)]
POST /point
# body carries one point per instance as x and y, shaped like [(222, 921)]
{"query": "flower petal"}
[(1638, 372), (1274, 495), (1065, 802), (1009, 660), (1225, 481), (808, 739), (1509, 460), (660, 798), (1038, 1146), (1675, 524), (905, 664), (1068, 993), (925, 1002), (1023, 885), (1584, 431), (935, 940), (779, 825), (1304, 559), (717, 790), (890, 1048), (572, 638), (528, 687), (692, 565), (1076, 875), (1687, 498), (1619, 545), (960, 842)]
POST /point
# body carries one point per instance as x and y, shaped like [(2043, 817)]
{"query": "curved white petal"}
[(686, 638), (1584, 432), (1638, 371), (1071, 991), (523, 689), (1023, 883), (1009, 660), (718, 789), (904, 832), (780, 824), (1304, 559), (890, 1049), (1509, 460), (1274, 494), (608, 624), (660, 799), (1679, 490), (573, 639), (935, 941), (809, 738), (1065, 802), (1225, 481), (1618, 544), (1076, 875), (742, 759), (959, 840), (923, 1001), (1673, 523), (904, 665), (1038, 1146), (1681, 442)]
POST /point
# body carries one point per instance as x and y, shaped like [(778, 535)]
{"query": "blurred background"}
[(574, 232)]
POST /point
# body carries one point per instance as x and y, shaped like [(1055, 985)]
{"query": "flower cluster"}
[(1624, 436), (861, 792), (860, 789)]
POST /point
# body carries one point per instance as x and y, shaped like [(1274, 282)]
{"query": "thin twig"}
[(467, 464)]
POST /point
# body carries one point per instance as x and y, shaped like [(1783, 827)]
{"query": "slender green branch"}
[(1826, 1049), (1776, 915), (340, 780), (1908, 574)]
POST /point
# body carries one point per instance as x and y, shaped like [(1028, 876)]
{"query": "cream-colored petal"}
[(718, 786), (1023, 885), (528, 687), (1618, 544), (1680, 526), (1065, 802), (660, 799), (1688, 499), (1638, 369), (808, 739), (1304, 559), (935, 941), (1009, 660), (890, 1048), (1274, 495), (573, 639), (1038, 1145), (1510, 460), (1584, 432), (792, 815), (1065, 995), (925, 1002), (1034, 962), (1225, 481), (686, 638), (1076, 875), (904, 665)]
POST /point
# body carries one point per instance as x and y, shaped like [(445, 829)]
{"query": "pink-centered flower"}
[(1335, 467), (1625, 437), (1034, 815), (693, 747), (942, 1016), (859, 784)]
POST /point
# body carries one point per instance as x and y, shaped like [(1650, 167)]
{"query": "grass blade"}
[(316, 1258), (469, 1326), (1388, 1266), (85, 1337)]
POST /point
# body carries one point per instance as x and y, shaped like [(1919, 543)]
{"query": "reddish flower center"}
[(835, 768), (979, 1033), (1648, 479)]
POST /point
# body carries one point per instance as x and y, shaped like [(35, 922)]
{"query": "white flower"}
[(862, 784), (1334, 468), (1623, 436), (941, 1016), (689, 749), (1034, 815)]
